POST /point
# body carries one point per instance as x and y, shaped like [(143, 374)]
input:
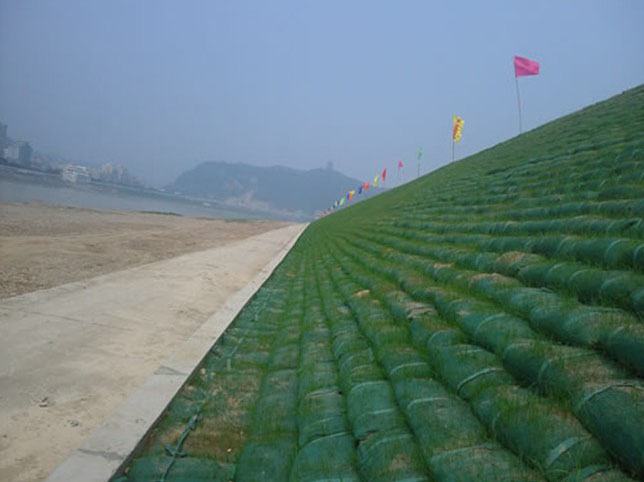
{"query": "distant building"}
[(24, 153), (19, 152), (75, 174), (4, 141)]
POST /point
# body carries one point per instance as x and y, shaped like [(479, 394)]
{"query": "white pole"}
[(516, 81)]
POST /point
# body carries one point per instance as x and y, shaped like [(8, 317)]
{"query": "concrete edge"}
[(113, 444)]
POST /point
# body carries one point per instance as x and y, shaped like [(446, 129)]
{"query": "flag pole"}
[(516, 82), (452, 148)]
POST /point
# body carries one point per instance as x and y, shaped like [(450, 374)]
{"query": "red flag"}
[(523, 66), (365, 185), (399, 164), (384, 174)]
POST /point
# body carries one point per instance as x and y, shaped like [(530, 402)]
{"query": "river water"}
[(14, 191)]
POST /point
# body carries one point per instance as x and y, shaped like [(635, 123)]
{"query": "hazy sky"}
[(159, 86)]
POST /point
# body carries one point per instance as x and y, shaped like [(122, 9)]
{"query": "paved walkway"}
[(70, 355)]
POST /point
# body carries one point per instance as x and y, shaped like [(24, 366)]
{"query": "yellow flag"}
[(457, 131), (375, 181)]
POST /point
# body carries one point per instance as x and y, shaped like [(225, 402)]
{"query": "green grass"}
[(484, 322)]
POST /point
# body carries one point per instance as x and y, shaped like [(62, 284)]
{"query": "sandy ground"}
[(43, 246), (71, 354)]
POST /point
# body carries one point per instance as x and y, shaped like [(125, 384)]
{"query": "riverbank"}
[(43, 246), (19, 185)]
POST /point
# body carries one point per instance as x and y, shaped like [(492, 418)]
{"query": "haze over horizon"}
[(160, 86)]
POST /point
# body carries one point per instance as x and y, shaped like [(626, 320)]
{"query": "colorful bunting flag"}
[(375, 181), (384, 175), (351, 193), (365, 185), (341, 201), (360, 190), (523, 66), (457, 131), (400, 164)]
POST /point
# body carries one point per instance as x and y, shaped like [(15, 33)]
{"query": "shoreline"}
[(114, 196), (42, 246)]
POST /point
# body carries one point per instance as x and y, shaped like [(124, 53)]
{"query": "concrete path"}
[(70, 355)]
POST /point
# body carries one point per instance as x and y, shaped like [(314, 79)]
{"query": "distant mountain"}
[(277, 188)]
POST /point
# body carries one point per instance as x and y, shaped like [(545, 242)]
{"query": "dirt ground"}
[(43, 246), (137, 287)]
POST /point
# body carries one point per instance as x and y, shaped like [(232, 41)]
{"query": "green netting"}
[(621, 290), (286, 356), (540, 362), (372, 408), (480, 261), (452, 307), (242, 361), (448, 336), (186, 469), (620, 253), (494, 330), (586, 283), (321, 413), (616, 414), (359, 374), (489, 284), (460, 450), (485, 462), (314, 376), (429, 405), (616, 288), (522, 300), (402, 361), (468, 369), (346, 340), (544, 435), (626, 343), (358, 364), (423, 326), (503, 244), (605, 399), (266, 460), (403, 307), (560, 273), (390, 334), (390, 456), (328, 458), (637, 301), (289, 332), (535, 274), (277, 403)]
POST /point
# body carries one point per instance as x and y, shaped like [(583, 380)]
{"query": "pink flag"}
[(523, 66), (399, 164), (384, 174)]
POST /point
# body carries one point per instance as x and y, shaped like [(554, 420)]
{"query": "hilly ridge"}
[(276, 187), (484, 322)]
